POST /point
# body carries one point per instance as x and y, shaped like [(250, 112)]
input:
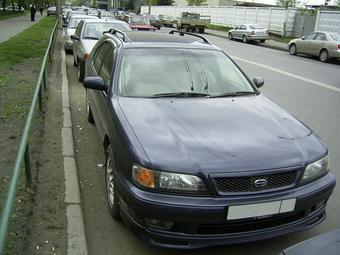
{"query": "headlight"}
[(166, 181), (315, 170)]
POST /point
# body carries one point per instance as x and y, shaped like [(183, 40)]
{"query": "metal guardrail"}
[(23, 151)]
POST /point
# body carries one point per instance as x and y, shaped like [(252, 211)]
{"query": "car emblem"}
[(260, 182)]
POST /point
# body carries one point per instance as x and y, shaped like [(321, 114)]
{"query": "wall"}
[(276, 20), (328, 21)]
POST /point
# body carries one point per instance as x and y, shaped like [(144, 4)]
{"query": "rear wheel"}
[(244, 39), (111, 187), (80, 70), (74, 62), (323, 55), (292, 49), (230, 36), (88, 110), (201, 30), (262, 40)]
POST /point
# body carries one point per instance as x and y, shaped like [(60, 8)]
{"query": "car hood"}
[(89, 44), (219, 134), (143, 26), (70, 31)]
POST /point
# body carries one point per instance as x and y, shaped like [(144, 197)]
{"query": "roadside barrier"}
[(23, 154)]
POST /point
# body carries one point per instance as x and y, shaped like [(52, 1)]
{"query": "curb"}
[(260, 45), (76, 239)]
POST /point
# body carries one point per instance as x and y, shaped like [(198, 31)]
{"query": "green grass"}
[(219, 27), (8, 15), (31, 43)]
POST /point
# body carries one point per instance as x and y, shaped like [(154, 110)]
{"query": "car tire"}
[(111, 184), (262, 41), (201, 30), (74, 62), (80, 70), (323, 56), (244, 39), (292, 49), (88, 110), (230, 36)]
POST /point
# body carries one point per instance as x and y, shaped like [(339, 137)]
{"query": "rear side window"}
[(107, 66), (100, 56), (321, 37)]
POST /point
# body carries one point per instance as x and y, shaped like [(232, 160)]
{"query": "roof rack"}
[(115, 31), (181, 33)]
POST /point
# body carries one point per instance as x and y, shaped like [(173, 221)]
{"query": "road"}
[(316, 105)]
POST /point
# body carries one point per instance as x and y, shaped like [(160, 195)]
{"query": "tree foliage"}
[(196, 2), (286, 3)]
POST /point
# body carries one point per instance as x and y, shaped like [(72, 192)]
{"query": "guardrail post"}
[(28, 168)]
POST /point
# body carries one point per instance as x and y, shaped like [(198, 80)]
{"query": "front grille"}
[(238, 184)]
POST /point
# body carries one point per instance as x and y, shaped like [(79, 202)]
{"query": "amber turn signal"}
[(144, 176)]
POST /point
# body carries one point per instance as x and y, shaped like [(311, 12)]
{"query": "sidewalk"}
[(12, 26), (268, 44)]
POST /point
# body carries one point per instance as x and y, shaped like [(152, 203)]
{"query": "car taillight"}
[(339, 46), (252, 32), (86, 56)]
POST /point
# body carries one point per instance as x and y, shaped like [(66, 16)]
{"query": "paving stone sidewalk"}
[(13, 26)]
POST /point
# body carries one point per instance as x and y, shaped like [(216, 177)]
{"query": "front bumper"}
[(201, 221)]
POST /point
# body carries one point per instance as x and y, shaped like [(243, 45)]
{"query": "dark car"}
[(195, 154), (138, 23), (154, 20)]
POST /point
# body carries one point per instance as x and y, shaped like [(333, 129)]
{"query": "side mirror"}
[(303, 37), (74, 38), (64, 25), (258, 81), (96, 83)]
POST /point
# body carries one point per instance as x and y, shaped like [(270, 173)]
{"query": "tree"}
[(338, 3), (167, 2), (286, 3), (196, 2)]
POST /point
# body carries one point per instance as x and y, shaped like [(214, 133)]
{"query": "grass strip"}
[(31, 43)]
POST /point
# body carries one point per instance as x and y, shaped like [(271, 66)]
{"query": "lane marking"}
[(318, 83), (76, 239)]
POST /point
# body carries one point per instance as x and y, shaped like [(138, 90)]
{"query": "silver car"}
[(321, 44), (70, 29), (87, 34), (249, 32)]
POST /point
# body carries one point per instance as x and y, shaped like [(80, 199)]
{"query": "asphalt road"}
[(315, 105)]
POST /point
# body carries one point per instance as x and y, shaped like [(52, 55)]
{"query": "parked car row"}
[(196, 165)]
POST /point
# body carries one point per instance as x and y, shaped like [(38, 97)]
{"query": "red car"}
[(139, 23)]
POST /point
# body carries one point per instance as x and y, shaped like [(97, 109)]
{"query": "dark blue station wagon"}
[(195, 154)]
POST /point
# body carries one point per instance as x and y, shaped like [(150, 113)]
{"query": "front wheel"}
[(292, 49), (88, 110), (230, 36), (201, 30), (323, 55), (80, 70), (111, 187)]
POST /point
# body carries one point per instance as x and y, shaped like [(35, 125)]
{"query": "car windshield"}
[(256, 27), (335, 37), (187, 72), (139, 20), (95, 30), (74, 23)]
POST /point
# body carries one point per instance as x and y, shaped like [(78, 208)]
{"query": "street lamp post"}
[(149, 6)]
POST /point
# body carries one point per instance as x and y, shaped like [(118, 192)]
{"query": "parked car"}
[(85, 37), (249, 32), (321, 44), (92, 12), (105, 14), (138, 23), (167, 21), (154, 20), (72, 13), (16, 8), (70, 29), (52, 11), (195, 154)]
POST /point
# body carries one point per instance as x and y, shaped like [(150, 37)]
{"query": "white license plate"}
[(260, 209)]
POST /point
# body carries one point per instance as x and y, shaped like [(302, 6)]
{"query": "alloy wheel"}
[(323, 56), (110, 186)]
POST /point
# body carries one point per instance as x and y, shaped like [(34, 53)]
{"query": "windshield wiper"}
[(90, 37), (235, 94), (182, 94)]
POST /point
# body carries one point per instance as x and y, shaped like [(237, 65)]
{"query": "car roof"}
[(145, 39), (103, 21), (83, 17)]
